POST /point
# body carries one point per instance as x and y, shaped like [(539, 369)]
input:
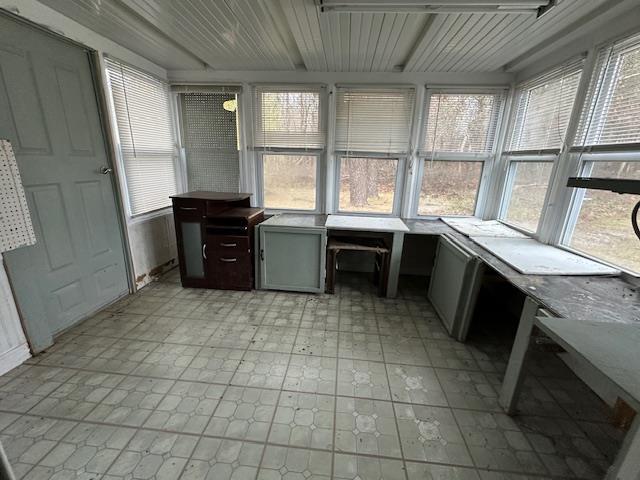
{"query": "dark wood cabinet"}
[(215, 239)]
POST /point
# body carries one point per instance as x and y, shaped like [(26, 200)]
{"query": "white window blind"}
[(612, 111), (374, 119), (289, 117), (543, 108), (461, 123), (143, 118)]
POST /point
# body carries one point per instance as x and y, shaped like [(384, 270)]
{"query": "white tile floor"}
[(202, 384)]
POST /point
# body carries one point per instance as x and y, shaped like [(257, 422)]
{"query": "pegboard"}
[(16, 229), (211, 142)]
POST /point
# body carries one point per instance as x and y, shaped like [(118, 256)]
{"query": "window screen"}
[(461, 123), (210, 139), (543, 108), (612, 110), (147, 145), (289, 117), (374, 119)]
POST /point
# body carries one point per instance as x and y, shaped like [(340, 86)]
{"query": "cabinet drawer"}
[(228, 245), (230, 271), (189, 206)]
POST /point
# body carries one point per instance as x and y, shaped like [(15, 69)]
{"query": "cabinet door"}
[(454, 284), (191, 250), (292, 258)]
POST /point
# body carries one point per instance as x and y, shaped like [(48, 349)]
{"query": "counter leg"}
[(513, 377), (394, 264), (626, 465)]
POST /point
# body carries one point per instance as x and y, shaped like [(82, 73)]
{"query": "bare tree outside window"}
[(449, 188), (367, 184), (290, 181), (530, 182)]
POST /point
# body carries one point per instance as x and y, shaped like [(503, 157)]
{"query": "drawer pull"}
[(228, 244), (188, 208), (228, 260), (204, 251)]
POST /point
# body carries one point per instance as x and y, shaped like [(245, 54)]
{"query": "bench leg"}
[(330, 282), (394, 264), (626, 465), (513, 377)]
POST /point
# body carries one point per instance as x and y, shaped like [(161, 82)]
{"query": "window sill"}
[(145, 217)]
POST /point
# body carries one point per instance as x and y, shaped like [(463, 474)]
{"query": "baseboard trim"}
[(14, 358)]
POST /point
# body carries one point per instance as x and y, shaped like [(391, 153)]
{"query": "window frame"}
[(398, 191), (259, 151), (486, 159), (511, 162), (585, 162), (319, 191), (508, 157)]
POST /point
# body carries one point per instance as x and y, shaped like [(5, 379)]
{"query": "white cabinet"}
[(455, 281), (291, 255)]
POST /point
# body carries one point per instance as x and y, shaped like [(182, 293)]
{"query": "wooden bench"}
[(360, 244)]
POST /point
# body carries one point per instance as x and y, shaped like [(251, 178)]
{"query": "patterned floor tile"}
[(261, 369), (468, 390), (229, 335), (366, 426), (355, 467), (358, 323), (431, 434), (428, 471), (167, 361), (415, 385), (534, 399), (497, 443), (29, 439), (274, 339), (576, 398), (178, 308), (430, 328), (77, 397), (406, 350), (303, 420), (86, 452), (109, 324), (450, 354), (311, 374), (244, 414), (215, 459), (281, 317), (23, 392), (193, 332), (319, 320), (186, 408), (396, 325), (142, 304), (360, 378), (132, 402), (123, 356), (564, 448), (359, 346), (213, 365), (316, 342), (282, 463), (7, 419), (213, 309), (77, 352), (153, 455)]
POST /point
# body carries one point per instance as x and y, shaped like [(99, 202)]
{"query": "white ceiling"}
[(281, 35)]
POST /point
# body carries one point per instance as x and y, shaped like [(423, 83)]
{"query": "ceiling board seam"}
[(451, 39)]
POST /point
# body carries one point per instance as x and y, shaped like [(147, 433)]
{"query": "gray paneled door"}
[(49, 113)]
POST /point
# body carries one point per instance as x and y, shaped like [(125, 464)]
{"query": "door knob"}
[(106, 170)]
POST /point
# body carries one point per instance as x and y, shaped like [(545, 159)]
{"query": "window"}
[(209, 121), (539, 123), (289, 139), (290, 181), (145, 132), (373, 126), (606, 146), (458, 137), (367, 184)]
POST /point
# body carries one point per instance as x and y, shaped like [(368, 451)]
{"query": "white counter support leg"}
[(627, 463), (513, 377), (394, 264)]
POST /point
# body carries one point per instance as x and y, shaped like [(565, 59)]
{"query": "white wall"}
[(153, 248), (13, 344)]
